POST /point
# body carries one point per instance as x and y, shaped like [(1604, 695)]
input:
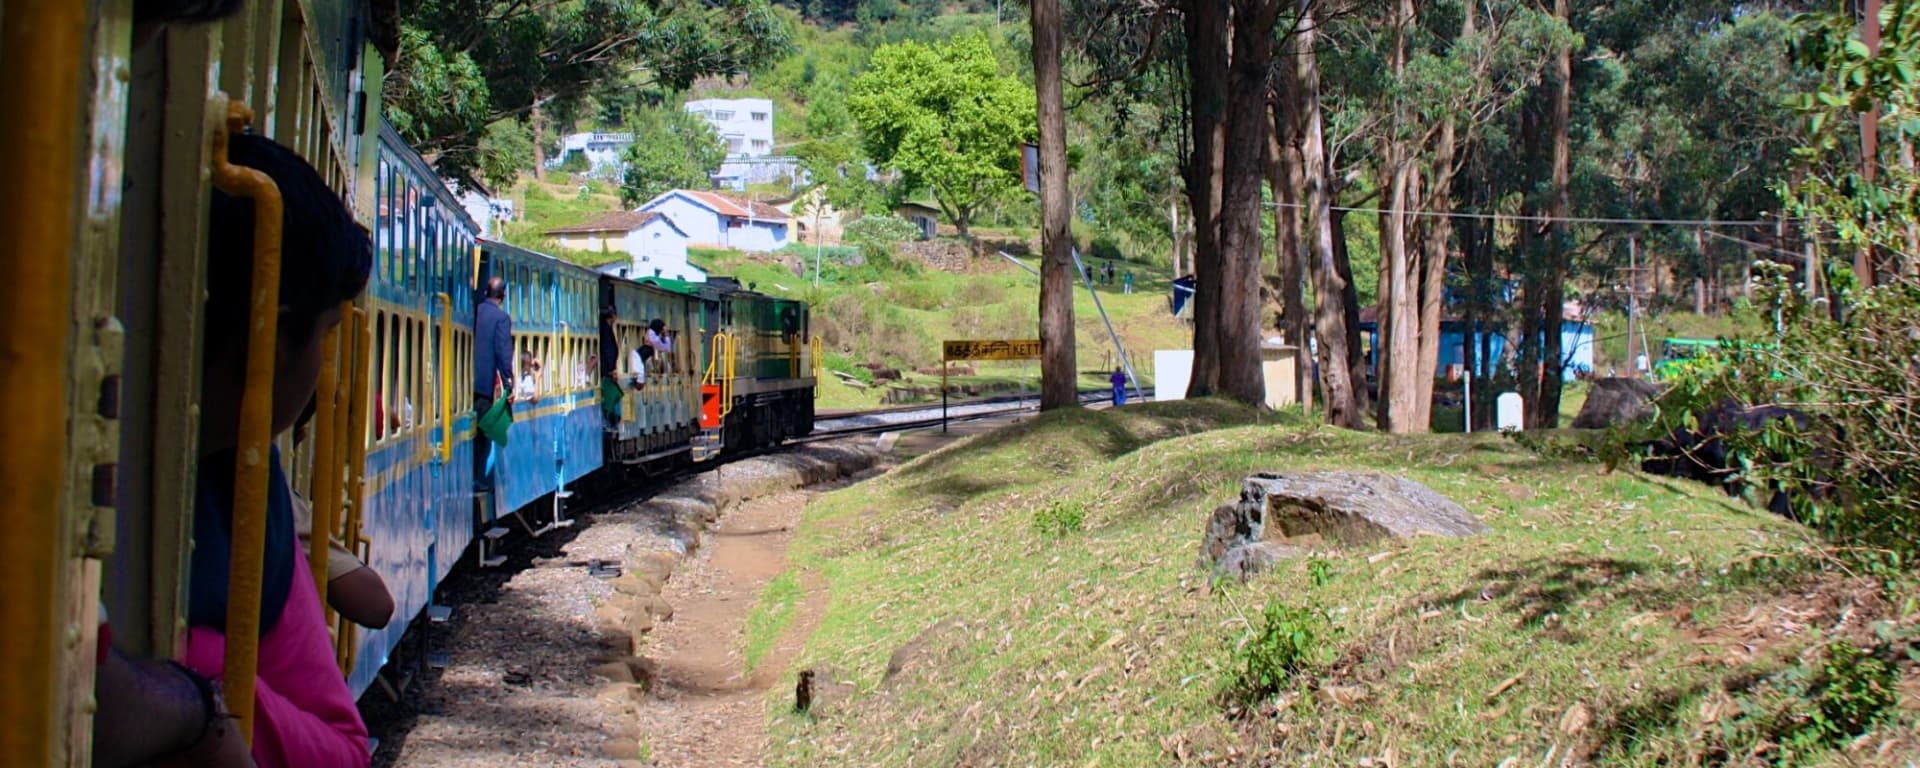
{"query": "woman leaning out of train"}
[(303, 712), (353, 589)]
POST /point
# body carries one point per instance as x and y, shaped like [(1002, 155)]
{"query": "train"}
[(110, 159)]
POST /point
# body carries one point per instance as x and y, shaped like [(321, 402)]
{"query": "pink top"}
[(303, 714)]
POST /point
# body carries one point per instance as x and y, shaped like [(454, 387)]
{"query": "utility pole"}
[(1633, 302)]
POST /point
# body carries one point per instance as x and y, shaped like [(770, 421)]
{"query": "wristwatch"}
[(213, 705)]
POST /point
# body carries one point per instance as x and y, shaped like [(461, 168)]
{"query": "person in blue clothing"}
[(492, 368), (1119, 379)]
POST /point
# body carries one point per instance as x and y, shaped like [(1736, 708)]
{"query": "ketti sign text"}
[(999, 349), (1008, 349)]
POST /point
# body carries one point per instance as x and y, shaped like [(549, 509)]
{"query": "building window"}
[(759, 144), (759, 117), (723, 116)]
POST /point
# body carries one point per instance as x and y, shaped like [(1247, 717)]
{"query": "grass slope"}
[(1604, 617)]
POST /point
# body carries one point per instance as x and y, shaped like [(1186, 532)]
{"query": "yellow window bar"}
[(250, 475), (47, 38), (326, 467), (446, 377), (817, 348)]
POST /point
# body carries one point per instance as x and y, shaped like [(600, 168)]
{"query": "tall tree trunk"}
[(1206, 26), (1546, 412), (1238, 315), (536, 120), (1332, 286), (1438, 232), (1350, 293), (1399, 314), (1289, 177), (1059, 387)]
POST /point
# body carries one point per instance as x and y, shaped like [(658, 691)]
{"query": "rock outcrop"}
[(1616, 401), (1278, 512)]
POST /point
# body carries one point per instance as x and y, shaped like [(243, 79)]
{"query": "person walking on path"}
[(492, 368), (1126, 286), (1119, 379)]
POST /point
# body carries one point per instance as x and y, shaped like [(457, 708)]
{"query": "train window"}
[(423, 383), (394, 379), (375, 427)]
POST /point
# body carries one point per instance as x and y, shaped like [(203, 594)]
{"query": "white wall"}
[(1172, 370), (757, 235), (658, 246), (702, 226), (735, 121)]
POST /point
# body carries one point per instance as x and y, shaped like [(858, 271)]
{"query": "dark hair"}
[(324, 259), (658, 324), (496, 287), (188, 11)]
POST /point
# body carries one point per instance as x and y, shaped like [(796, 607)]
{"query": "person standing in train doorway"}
[(492, 370)]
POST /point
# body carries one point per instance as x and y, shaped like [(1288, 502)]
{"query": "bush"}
[(879, 230), (924, 296), (846, 365), (1854, 472), (1058, 519), (1288, 641)]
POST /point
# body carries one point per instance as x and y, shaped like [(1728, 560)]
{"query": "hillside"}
[(1032, 596)]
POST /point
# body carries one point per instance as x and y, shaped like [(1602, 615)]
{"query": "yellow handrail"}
[(446, 377), (817, 347), (721, 369), (356, 435), (726, 382), (250, 475), (324, 492), (49, 39)]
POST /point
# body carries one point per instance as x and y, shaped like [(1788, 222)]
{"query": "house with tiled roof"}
[(654, 246), (714, 220)]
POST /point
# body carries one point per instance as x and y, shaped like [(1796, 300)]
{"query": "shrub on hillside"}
[(879, 230), (1853, 470)]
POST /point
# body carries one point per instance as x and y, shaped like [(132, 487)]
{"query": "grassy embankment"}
[(1038, 589)]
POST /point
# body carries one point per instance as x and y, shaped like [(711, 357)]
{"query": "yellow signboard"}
[(1003, 349)]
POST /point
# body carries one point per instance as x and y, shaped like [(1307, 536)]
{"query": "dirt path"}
[(548, 662), (706, 708)]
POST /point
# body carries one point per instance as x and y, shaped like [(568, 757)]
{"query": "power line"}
[(1551, 219)]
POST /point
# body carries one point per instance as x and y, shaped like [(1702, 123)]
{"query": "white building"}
[(745, 125), (604, 151), (485, 209), (654, 245), (712, 220)]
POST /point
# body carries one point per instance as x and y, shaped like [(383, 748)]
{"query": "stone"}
[(1352, 508), (821, 691), (1249, 560), (1612, 401), (1285, 510)]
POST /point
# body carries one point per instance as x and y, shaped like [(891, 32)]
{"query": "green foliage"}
[(466, 64), (1059, 519), (946, 118), (837, 362), (1852, 472), (671, 149), (879, 230), (1289, 640), (1858, 691)]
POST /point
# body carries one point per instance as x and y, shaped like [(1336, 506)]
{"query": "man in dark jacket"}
[(492, 368)]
